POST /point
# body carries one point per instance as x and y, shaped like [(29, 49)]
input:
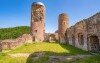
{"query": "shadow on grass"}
[(43, 56), (73, 50)]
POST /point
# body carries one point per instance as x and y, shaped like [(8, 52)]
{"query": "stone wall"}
[(75, 32), (69, 34), (51, 37), (13, 43), (80, 34), (0, 46), (93, 32)]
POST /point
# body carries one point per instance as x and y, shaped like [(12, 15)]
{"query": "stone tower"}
[(62, 27), (38, 21)]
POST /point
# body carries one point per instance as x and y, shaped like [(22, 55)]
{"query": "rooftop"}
[(40, 3)]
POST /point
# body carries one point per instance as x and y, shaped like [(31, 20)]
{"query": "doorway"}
[(94, 43), (73, 40)]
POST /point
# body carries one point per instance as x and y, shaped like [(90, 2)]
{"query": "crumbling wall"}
[(13, 43), (93, 29), (75, 32), (51, 36), (81, 35), (82, 32), (70, 33), (0, 46)]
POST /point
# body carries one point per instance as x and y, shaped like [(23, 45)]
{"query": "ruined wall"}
[(27, 37), (93, 30), (51, 37), (63, 25), (13, 43), (79, 34), (0, 46), (38, 21), (70, 34), (56, 36)]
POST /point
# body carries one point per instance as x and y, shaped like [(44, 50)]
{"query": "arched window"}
[(35, 31), (64, 23), (81, 39)]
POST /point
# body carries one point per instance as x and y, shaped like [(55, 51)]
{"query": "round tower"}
[(38, 21), (62, 27)]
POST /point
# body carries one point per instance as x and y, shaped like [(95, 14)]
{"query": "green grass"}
[(93, 59), (50, 49), (2, 55), (44, 59), (8, 59)]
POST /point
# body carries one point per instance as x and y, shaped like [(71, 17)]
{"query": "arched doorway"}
[(73, 40), (94, 43), (52, 38)]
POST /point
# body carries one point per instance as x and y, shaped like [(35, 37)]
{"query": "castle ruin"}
[(38, 21), (84, 34), (62, 26)]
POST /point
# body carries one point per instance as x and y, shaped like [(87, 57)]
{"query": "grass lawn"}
[(49, 49), (60, 49)]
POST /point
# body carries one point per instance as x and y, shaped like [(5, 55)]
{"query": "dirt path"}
[(20, 55), (53, 59), (41, 54)]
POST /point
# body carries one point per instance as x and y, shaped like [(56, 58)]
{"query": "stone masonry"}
[(13, 43), (0, 46), (85, 34), (38, 21), (51, 37), (63, 25)]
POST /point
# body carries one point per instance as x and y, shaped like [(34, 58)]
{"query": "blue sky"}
[(18, 12)]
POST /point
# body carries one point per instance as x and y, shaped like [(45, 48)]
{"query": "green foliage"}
[(11, 33)]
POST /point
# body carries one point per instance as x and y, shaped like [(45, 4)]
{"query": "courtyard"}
[(42, 52)]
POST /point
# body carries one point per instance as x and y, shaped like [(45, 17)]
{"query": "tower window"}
[(35, 20), (64, 23), (35, 31), (40, 18)]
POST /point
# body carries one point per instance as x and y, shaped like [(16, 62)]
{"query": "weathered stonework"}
[(38, 21), (51, 37), (0, 46), (27, 37), (85, 34), (63, 25), (13, 43)]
